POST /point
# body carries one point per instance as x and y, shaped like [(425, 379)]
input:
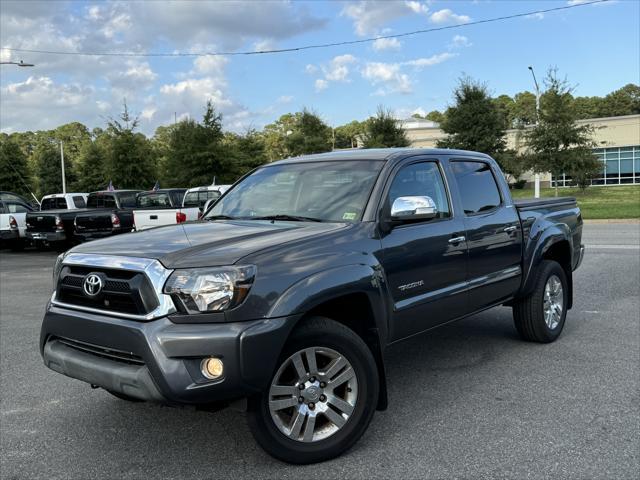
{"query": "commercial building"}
[(618, 140)]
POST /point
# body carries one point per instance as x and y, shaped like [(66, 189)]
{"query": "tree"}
[(14, 174), (196, 152), (245, 153), (524, 109), (346, 136), (129, 162), (435, 116), (506, 105), (296, 134), (474, 122), (624, 101), (383, 131), (48, 168), (91, 168), (583, 169), (557, 144)]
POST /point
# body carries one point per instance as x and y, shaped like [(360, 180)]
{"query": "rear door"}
[(425, 262), (493, 234)]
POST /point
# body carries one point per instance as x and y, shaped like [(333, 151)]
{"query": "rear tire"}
[(328, 401), (540, 317)]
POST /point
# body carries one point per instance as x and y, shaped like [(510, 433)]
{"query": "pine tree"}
[(383, 131), (14, 174)]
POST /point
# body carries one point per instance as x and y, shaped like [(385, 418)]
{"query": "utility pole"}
[(64, 183), (536, 191)]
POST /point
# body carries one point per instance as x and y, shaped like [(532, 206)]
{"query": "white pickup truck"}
[(171, 206), (64, 201), (13, 210)]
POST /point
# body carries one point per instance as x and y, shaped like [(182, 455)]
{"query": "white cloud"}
[(381, 44), (536, 16), (370, 16), (420, 63), (285, 99), (447, 16), (310, 69), (390, 76), (321, 84), (210, 64), (459, 41), (263, 45)]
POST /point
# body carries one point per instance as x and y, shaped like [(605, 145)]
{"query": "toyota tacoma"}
[(285, 295)]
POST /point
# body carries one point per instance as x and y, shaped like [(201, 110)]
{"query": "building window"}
[(620, 166)]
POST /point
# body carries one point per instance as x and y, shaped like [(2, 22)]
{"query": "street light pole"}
[(64, 183), (536, 177)]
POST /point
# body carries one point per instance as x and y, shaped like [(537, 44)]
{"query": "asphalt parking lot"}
[(469, 400)]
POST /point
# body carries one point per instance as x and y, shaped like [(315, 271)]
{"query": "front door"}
[(425, 262)]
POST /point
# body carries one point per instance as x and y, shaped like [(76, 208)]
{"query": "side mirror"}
[(413, 208)]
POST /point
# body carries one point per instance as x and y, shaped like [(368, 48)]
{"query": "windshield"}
[(53, 203), (101, 200), (329, 191), (154, 200), (198, 198)]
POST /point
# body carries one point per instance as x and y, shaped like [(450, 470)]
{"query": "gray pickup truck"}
[(291, 287)]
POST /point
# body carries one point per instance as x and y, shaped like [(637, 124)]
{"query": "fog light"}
[(212, 368)]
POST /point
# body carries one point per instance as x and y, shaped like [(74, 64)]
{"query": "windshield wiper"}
[(219, 217), (292, 218)]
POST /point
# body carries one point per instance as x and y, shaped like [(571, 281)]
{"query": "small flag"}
[(156, 187), (110, 187)]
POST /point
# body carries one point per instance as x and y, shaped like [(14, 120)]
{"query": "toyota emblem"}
[(92, 285)]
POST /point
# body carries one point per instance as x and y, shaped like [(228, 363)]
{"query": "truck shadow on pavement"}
[(425, 372)]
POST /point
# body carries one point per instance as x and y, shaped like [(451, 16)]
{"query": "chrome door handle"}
[(457, 240), (510, 229)]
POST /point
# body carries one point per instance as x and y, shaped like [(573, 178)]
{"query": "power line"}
[(306, 47)]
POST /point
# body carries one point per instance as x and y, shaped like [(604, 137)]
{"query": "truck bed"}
[(529, 203)]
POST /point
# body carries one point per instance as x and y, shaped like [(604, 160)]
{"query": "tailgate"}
[(144, 219), (41, 222), (94, 223)]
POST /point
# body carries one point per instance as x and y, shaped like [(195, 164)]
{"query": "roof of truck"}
[(376, 154)]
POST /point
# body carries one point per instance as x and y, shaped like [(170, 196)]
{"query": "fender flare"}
[(540, 241)]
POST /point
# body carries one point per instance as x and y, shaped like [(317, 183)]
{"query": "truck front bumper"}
[(160, 360), (47, 236)]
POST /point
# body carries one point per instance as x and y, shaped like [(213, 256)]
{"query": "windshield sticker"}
[(349, 216)]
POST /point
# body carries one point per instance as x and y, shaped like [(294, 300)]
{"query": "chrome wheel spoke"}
[(341, 405), (281, 404), (283, 390), (335, 367), (296, 425), (553, 302), (309, 428), (347, 374), (335, 418), (299, 366), (310, 354)]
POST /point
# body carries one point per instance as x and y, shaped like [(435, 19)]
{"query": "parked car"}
[(58, 227), (110, 213), (64, 201), (13, 210), (290, 300), (161, 207)]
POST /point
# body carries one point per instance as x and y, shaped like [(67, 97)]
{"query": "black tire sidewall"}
[(550, 268), (364, 365)]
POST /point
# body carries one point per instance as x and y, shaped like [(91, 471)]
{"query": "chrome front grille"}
[(131, 287)]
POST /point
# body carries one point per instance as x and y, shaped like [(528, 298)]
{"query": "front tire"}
[(321, 397), (540, 317)]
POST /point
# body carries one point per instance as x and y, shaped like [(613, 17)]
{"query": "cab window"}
[(477, 185), (421, 179)]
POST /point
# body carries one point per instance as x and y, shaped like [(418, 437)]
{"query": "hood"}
[(202, 244)]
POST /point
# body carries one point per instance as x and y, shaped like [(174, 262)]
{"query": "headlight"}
[(210, 289), (57, 268)]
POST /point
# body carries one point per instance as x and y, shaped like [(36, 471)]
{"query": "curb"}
[(634, 221)]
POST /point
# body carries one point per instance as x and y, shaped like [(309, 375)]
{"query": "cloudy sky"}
[(597, 47)]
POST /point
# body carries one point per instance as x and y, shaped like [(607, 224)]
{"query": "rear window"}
[(101, 200), (79, 202), (155, 199), (199, 198), (128, 199), (53, 204), (478, 188)]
